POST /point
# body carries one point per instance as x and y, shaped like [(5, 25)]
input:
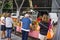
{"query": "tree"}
[(18, 7), (8, 5), (30, 2), (5, 5), (2, 5)]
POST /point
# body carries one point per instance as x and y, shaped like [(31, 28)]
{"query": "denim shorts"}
[(9, 31)]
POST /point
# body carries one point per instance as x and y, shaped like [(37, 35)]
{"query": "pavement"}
[(14, 37)]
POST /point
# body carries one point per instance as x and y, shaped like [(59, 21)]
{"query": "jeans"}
[(9, 31), (24, 35)]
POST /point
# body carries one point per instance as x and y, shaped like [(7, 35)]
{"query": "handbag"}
[(34, 33)]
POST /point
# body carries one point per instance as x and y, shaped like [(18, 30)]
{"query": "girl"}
[(3, 28)]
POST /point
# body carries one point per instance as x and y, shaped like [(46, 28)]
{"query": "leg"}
[(3, 34), (42, 37), (24, 35), (2, 31), (10, 30), (7, 30)]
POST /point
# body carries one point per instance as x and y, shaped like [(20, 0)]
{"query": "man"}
[(26, 24), (9, 23)]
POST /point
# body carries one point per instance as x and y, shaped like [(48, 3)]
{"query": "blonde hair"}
[(3, 15), (8, 14), (45, 18)]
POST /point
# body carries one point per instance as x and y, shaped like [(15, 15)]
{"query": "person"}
[(9, 23), (26, 24), (3, 28), (14, 24), (44, 27), (39, 18)]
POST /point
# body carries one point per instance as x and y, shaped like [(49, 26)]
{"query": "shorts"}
[(42, 37), (9, 31), (3, 28)]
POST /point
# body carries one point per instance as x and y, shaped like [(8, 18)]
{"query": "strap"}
[(44, 25)]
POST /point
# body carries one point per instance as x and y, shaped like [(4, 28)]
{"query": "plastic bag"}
[(50, 34)]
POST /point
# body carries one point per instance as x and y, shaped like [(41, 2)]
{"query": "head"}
[(45, 18), (4, 14), (26, 15), (8, 15)]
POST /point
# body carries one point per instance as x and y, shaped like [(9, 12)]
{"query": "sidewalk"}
[(14, 37)]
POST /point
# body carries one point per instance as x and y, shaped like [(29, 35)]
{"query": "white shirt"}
[(9, 22), (2, 19), (25, 29)]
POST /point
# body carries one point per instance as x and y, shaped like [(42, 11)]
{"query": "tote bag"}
[(18, 29), (34, 33)]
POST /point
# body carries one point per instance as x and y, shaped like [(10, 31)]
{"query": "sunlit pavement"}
[(14, 37)]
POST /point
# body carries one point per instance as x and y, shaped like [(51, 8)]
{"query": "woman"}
[(44, 27), (3, 28), (9, 23)]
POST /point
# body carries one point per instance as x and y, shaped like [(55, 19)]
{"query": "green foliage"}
[(8, 5), (0, 4)]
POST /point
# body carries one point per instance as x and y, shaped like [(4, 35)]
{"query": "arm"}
[(12, 21), (30, 25), (3, 20), (21, 24)]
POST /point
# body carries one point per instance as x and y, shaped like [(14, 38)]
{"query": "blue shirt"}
[(26, 23)]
